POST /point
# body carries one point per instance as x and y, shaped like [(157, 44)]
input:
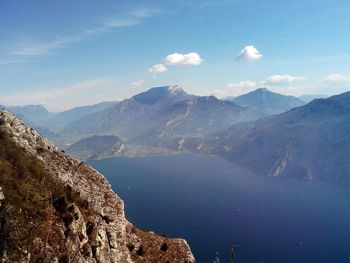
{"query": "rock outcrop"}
[(98, 147), (74, 215)]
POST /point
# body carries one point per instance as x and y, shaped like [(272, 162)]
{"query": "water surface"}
[(213, 204)]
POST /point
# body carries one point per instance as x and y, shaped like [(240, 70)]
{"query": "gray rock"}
[(104, 235)]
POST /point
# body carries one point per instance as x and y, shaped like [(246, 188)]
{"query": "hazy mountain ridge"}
[(312, 141), (268, 102), (35, 115), (310, 97), (302, 142), (160, 114), (51, 122)]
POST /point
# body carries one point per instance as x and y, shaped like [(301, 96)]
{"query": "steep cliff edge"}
[(54, 208)]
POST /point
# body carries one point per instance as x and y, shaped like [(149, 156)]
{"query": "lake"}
[(213, 204)]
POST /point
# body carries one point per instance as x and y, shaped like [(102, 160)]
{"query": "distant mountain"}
[(97, 147), (162, 94), (34, 115), (311, 97), (268, 102), (49, 123), (196, 118), (61, 119), (312, 141), (159, 115)]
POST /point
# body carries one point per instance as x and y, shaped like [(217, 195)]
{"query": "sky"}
[(70, 53)]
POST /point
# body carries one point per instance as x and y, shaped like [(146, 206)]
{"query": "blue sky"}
[(68, 53)]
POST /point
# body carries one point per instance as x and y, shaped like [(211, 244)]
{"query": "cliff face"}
[(97, 147), (54, 208)]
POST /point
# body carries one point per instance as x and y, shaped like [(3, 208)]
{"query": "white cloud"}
[(249, 53), (281, 80), (241, 87), (192, 58), (158, 68), (138, 83), (337, 78)]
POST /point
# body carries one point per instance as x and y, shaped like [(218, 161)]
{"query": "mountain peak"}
[(263, 89), (156, 94), (267, 101), (175, 88)]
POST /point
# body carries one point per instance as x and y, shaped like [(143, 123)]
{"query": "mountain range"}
[(312, 141), (157, 115), (307, 141)]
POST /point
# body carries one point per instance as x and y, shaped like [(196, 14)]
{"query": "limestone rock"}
[(94, 228)]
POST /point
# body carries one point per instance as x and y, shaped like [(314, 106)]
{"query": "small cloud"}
[(249, 53), (242, 87), (158, 68), (138, 83), (337, 78), (192, 58), (281, 80)]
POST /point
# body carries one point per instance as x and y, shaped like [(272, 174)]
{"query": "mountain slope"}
[(312, 141), (57, 209), (35, 115), (61, 119), (311, 97), (157, 115), (97, 147), (268, 102), (162, 94)]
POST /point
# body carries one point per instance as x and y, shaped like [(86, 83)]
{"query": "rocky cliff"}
[(54, 208), (98, 147)]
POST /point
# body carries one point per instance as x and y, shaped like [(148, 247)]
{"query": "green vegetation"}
[(35, 209)]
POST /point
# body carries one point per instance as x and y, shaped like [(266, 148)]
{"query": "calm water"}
[(214, 204)]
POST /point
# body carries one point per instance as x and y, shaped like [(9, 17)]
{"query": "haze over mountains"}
[(268, 102), (310, 141), (157, 116), (153, 117)]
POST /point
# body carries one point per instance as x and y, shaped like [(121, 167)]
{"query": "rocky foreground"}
[(54, 208)]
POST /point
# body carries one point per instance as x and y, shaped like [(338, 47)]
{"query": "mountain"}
[(61, 119), (158, 115), (54, 208), (97, 147), (311, 97), (268, 102), (34, 115), (312, 141), (50, 123), (162, 94)]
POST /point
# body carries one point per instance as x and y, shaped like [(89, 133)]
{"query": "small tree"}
[(234, 250), (217, 258)]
